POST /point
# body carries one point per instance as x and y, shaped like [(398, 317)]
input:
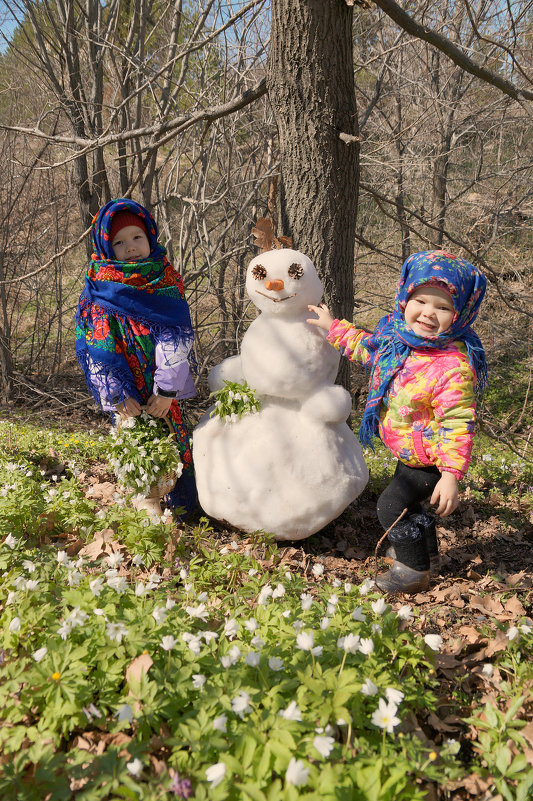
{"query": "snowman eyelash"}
[(259, 272), (295, 271)]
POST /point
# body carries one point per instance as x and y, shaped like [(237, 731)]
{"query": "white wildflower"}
[(241, 704), (215, 773), (297, 773), (369, 688), (292, 712), (434, 641), (220, 723), (324, 745), (275, 663), (384, 717), (40, 654)]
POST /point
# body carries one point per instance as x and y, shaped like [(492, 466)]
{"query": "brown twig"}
[(381, 540)]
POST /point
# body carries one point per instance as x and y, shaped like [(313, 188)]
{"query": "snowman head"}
[(283, 282)]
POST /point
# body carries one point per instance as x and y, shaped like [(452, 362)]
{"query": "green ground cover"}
[(144, 660)]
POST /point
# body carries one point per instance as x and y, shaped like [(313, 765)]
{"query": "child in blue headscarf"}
[(425, 363), (133, 328)]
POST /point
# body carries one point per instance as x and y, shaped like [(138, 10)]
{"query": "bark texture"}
[(311, 89)]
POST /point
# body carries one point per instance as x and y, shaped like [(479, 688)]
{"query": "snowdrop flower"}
[(159, 614), (253, 572), (74, 577), (366, 646), (405, 613), (99, 612), (209, 635), (394, 696), (15, 624), (231, 657), (358, 614), (275, 663), (317, 570), (19, 582), (350, 643), (116, 631), (183, 573), (198, 681), (264, 595), (77, 617), (487, 670), (40, 654), (195, 644), (220, 723), (279, 592), (135, 767), (241, 704), (257, 642), (333, 600), (324, 745), (28, 565), (286, 613), (376, 628), (305, 640), (137, 560), (324, 623), (379, 606), (96, 586), (168, 642), (170, 604), (366, 586), (384, 717), (512, 633), (525, 629), (62, 558), (125, 712), (64, 629), (215, 773), (90, 712), (10, 541), (252, 658), (292, 712), (231, 628), (202, 597), (297, 773), (31, 584), (298, 625), (115, 559), (434, 641), (199, 611), (347, 588), (369, 688), (306, 600), (288, 575), (140, 589), (11, 598), (118, 583)]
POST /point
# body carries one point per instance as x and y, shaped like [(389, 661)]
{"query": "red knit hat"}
[(124, 218)]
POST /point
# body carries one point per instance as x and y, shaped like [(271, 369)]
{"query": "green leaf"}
[(252, 792)]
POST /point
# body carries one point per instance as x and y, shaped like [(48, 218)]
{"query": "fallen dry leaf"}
[(141, 664)]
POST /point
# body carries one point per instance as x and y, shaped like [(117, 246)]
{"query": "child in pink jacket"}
[(425, 364)]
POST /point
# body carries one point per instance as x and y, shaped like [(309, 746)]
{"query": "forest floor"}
[(485, 586)]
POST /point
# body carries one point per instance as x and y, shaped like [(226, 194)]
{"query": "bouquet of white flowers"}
[(144, 455), (234, 400)]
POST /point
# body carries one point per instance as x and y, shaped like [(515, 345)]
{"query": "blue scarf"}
[(148, 291), (391, 341)]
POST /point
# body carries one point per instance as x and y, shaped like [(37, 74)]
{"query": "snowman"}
[(295, 465)]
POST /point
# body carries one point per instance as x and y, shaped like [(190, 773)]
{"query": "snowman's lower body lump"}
[(279, 471)]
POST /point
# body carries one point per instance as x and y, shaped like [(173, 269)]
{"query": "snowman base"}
[(279, 471)]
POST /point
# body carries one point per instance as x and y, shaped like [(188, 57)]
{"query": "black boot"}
[(427, 525), (410, 570)]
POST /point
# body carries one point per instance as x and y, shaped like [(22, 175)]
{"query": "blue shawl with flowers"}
[(124, 306), (392, 340)]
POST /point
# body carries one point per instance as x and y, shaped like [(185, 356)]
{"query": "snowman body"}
[(295, 465)]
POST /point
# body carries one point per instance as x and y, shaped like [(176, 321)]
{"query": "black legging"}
[(408, 487)]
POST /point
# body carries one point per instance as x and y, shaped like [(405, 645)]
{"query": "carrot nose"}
[(275, 286)]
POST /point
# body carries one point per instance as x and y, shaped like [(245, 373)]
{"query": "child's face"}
[(429, 311), (131, 244)]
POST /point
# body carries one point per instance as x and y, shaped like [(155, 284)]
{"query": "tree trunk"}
[(311, 89)]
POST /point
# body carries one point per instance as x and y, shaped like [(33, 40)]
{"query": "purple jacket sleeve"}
[(172, 377)]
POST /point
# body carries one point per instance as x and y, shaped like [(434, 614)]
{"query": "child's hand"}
[(325, 318), (446, 494), (129, 408), (158, 405)]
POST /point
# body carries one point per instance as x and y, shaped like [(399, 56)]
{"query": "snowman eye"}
[(259, 272), (296, 270)]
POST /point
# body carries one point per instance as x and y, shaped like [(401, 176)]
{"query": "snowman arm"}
[(348, 339), (331, 404), (228, 370)]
